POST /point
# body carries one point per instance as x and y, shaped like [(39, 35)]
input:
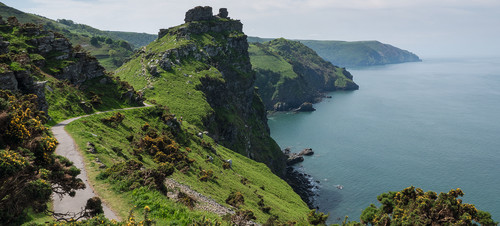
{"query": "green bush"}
[(235, 199)]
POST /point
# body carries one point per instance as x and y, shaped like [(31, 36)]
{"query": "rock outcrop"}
[(294, 158), (47, 51), (306, 106), (199, 13)]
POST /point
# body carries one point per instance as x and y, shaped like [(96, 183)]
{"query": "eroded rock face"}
[(8, 81), (199, 13)]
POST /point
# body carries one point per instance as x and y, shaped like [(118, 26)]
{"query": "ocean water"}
[(433, 124)]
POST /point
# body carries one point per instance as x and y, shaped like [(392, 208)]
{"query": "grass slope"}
[(360, 53), (354, 54), (259, 180)]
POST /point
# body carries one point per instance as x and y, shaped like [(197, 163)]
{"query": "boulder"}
[(223, 13), (306, 151), (293, 159), (8, 81), (91, 149), (306, 106), (4, 46), (199, 13)]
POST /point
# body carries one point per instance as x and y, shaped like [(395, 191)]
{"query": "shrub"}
[(316, 218), (235, 199), (227, 165), (186, 199), (114, 120), (207, 175), (94, 207), (29, 170), (96, 100)]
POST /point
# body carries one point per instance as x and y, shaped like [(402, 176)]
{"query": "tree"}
[(94, 41), (29, 170), (412, 206), (316, 218)]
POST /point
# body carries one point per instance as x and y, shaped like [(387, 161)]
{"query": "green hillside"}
[(290, 74), (137, 40), (355, 54), (362, 53), (111, 48)]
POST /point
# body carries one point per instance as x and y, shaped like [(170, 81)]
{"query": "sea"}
[(433, 124)]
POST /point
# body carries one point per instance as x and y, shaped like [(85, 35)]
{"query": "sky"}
[(428, 28)]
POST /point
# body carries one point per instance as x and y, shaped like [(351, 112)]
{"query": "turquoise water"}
[(433, 124)]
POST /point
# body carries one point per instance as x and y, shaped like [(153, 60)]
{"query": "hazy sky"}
[(425, 27)]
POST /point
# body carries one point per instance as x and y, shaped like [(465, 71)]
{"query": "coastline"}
[(303, 184)]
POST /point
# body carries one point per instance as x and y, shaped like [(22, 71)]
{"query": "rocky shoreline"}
[(303, 184)]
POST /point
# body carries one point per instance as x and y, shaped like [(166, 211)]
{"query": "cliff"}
[(202, 71), (290, 74)]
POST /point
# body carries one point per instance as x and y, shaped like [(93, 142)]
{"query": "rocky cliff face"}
[(218, 50), (29, 53)]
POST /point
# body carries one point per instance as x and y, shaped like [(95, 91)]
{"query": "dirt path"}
[(68, 149)]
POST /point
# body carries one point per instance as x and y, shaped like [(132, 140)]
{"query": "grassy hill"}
[(362, 53), (355, 54), (289, 74)]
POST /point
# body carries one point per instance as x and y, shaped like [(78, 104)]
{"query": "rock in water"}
[(306, 107), (307, 151)]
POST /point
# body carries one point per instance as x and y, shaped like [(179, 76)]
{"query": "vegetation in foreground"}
[(29, 170), (140, 148)]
